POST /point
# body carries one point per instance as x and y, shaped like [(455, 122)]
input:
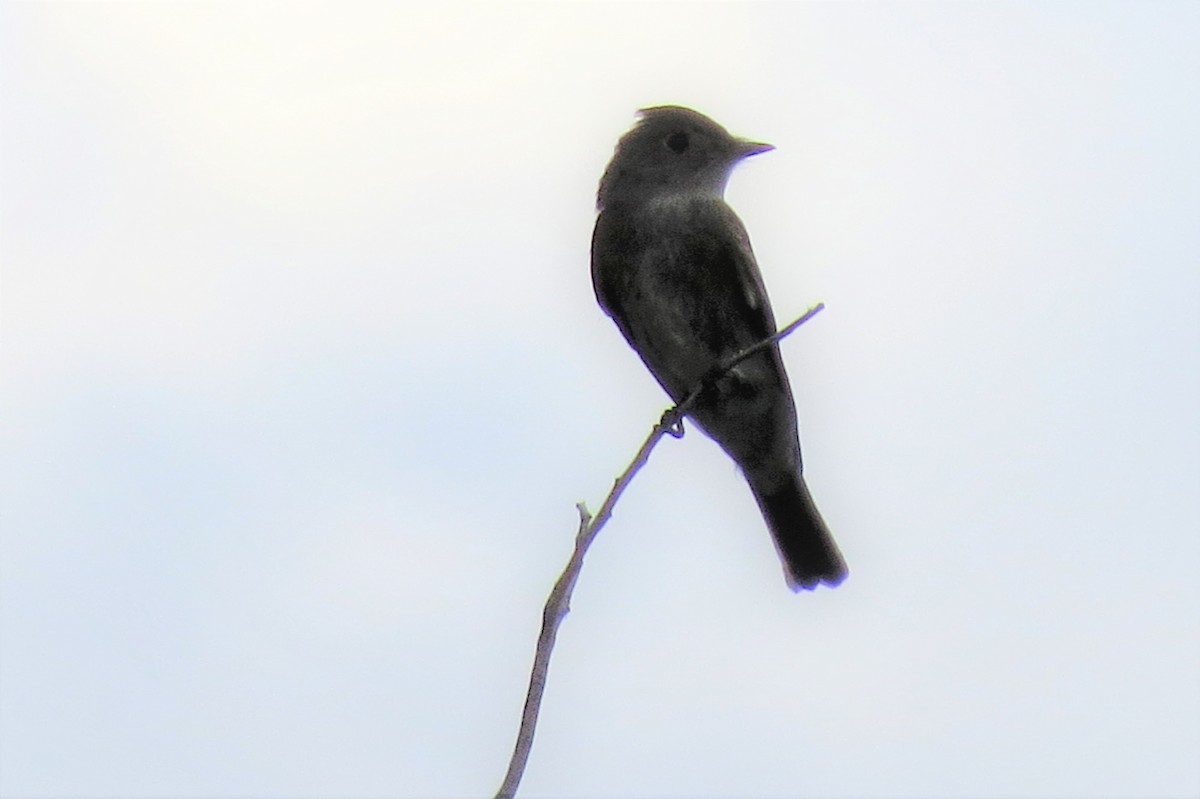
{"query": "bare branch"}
[(558, 604), (680, 410)]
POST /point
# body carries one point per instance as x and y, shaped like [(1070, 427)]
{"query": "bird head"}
[(672, 150)]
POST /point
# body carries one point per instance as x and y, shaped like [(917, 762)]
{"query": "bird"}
[(671, 264)]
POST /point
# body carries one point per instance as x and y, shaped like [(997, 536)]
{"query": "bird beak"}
[(749, 148)]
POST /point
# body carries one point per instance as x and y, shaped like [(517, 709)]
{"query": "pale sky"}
[(302, 376)]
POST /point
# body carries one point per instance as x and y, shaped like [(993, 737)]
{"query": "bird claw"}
[(672, 423)]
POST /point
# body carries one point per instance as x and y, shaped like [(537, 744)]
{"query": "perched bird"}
[(672, 265)]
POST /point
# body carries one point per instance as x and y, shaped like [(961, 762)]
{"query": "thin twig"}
[(558, 604), (680, 410)]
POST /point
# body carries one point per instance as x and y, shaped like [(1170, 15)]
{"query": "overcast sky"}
[(302, 376)]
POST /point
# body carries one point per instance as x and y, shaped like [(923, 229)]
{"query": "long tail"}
[(810, 556)]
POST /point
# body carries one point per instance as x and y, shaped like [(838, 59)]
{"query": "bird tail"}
[(810, 556)]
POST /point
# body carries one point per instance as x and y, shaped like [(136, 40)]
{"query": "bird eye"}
[(677, 142)]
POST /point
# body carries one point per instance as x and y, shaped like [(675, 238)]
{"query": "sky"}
[(301, 377)]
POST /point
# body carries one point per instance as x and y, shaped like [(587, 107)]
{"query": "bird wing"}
[(682, 284)]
